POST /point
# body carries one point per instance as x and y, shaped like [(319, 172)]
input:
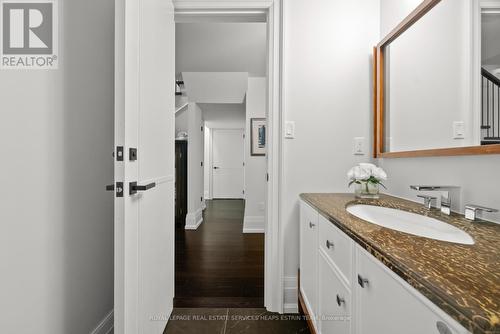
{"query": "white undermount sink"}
[(410, 223)]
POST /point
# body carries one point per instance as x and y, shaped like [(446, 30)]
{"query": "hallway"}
[(217, 266)]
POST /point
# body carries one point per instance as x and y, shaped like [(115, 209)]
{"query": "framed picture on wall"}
[(258, 136)]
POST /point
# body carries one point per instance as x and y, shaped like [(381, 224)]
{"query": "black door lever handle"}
[(110, 187), (134, 187)]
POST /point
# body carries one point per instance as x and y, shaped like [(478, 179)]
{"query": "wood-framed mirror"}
[(437, 82)]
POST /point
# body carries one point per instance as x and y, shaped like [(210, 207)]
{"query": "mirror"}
[(437, 88)]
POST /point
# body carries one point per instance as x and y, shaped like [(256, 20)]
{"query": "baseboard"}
[(194, 219), (106, 325), (253, 224), (290, 295)]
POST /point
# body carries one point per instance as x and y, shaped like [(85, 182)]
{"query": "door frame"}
[(269, 11), (211, 164)]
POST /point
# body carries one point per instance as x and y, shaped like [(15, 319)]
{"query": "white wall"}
[(181, 121), (255, 166), (327, 92), (215, 87), (223, 116), (392, 12), (195, 168), (475, 174), (422, 104), (221, 47), (56, 230), (218, 116)]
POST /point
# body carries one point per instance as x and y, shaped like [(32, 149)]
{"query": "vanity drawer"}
[(334, 301), (337, 246)]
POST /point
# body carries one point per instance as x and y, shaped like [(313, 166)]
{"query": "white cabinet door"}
[(334, 299), (309, 256), (386, 304)]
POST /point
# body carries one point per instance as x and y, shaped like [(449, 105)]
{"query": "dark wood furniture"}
[(181, 167)]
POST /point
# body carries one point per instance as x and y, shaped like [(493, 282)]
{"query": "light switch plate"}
[(459, 130), (289, 129), (359, 146)]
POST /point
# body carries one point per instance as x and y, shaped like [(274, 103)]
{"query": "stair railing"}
[(490, 108)]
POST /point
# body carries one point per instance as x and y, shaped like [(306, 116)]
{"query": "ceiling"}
[(221, 47)]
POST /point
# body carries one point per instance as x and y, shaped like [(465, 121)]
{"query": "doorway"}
[(222, 76), (269, 12)]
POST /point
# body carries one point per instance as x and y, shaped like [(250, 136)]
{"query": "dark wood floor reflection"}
[(217, 265)]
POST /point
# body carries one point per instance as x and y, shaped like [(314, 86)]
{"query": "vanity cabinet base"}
[(346, 290)]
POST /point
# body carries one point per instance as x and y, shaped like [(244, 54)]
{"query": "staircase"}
[(490, 108)]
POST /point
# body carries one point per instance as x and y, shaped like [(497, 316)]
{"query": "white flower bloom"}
[(364, 171), (368, 167), (380, 174), (350, 174), (360, 173)]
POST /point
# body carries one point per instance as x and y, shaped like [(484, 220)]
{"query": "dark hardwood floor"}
[(234, 321), (217, 265)]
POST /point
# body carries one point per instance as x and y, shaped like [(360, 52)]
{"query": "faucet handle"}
[(428, 200), (472, 210)]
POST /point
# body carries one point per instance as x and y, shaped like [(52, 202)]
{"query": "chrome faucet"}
[(472, 210), (428, 200), (445, 197)]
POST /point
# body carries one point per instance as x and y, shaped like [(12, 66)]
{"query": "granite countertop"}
[(463, 280)]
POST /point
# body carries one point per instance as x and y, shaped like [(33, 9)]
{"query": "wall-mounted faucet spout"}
[(446, 197)]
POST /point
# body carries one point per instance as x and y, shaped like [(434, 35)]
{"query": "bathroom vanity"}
[(361, 278)]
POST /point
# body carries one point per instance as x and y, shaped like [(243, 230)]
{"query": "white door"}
[(144, 119), (228, 163)]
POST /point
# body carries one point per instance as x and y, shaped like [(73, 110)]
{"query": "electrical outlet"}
[(359, 146)]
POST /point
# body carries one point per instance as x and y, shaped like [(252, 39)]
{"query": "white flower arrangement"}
[(366, 173)]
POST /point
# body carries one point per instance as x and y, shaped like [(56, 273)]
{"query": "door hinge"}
[(201, 127), (119, 153), (201, 163), (243, 164), (201, 199), (243, 135), (243, 192), (267, 177)]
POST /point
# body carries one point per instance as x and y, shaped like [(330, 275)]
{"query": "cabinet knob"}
[(362, 281), (443, 328), (311, 225), (329, 244), (340, 300)]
